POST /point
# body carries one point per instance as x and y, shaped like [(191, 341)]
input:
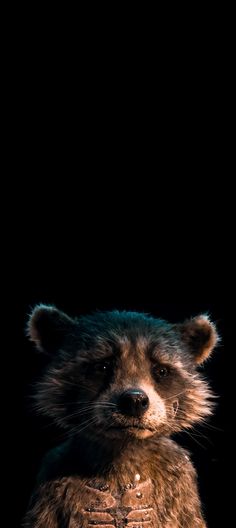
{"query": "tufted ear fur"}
[(200, 336), (48, 326)]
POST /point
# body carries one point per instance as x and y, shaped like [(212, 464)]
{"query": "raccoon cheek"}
[(161, 411)]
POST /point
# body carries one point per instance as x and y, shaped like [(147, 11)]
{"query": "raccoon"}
[(119, 385)]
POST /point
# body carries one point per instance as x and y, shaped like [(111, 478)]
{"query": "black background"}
[(119, 195)]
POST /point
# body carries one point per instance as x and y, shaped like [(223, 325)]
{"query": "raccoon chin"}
[(129, 432), (142, 433)]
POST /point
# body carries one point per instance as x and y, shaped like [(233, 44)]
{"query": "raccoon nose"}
[(133, 402)]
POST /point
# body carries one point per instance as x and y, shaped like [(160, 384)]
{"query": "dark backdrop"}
[(164, 147), (82, 291)]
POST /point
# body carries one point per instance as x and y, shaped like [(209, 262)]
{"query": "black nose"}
[(133, 402)]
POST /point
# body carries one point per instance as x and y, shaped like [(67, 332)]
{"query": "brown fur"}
[(116, 469)]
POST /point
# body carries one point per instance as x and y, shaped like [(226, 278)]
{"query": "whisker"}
[(174, 395), (193, 438)]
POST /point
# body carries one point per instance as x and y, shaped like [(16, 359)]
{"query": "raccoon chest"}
[(131, 507)]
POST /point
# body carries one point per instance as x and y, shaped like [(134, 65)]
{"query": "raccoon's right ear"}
[(48, 326)]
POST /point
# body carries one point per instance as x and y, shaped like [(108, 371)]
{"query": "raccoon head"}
[(122, 374)]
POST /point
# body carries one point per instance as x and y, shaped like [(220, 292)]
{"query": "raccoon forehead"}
[(115, 325), (124, 347), (158, 349)]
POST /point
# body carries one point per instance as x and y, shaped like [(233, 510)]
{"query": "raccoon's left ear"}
[(47, 327), (200, 336)]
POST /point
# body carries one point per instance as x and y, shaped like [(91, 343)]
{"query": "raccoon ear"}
[(200, 336), (47, 327)]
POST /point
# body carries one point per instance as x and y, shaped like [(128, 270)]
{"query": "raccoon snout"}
[(133, 402)]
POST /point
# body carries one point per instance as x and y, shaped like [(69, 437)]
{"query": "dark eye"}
[(162, 372), (102, 366)]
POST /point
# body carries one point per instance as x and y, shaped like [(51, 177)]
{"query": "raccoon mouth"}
[(140, 427)]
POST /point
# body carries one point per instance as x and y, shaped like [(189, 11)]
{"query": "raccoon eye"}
[(162, 372), (103, 366)]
